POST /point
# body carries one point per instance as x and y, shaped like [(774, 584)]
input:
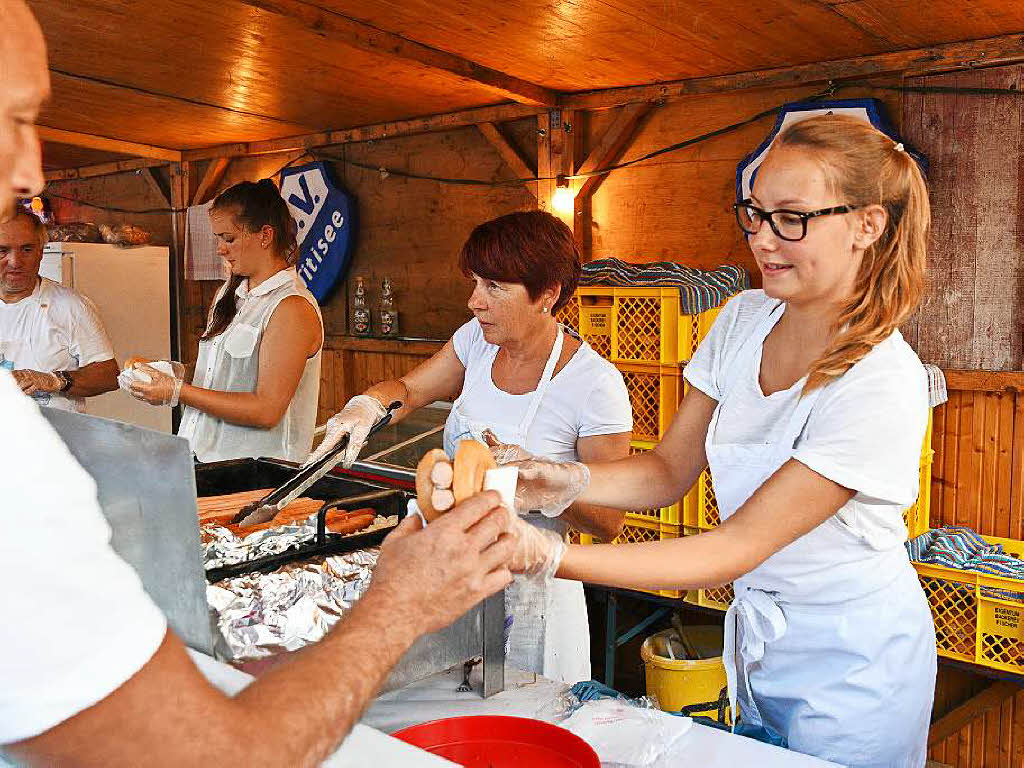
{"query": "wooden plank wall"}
[(973, 313), (978, 481), (978, 469), (995, 739), (677, 207)]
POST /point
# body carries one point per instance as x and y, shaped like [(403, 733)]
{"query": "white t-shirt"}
[(587, 397), (865, 432), (54, 329), (75, 623)]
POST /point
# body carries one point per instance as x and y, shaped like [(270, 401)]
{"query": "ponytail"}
[(866, 167), (254, 205)]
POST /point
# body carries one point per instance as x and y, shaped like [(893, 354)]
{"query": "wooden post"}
[(556, 156), (605, 153), (180, 197)]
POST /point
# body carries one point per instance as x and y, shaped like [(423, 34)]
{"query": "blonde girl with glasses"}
[(810, 410)]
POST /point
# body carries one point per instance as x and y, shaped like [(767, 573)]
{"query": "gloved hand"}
[(157, 383), (32, 382), (538, 552), (355, 419), (549, 486), (504, 453)]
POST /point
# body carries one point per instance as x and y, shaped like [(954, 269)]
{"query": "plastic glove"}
[(538, 551), (504, 453), (355, 420), (32, 382), (549, 486), (157, 383)]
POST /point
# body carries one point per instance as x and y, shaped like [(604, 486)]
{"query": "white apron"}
[(828, 642), (550, 632)]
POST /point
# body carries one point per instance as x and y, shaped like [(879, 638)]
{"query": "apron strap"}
[(542, 385), (763, 622)]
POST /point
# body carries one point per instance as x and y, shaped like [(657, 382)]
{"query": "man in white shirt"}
[(89, 673), (51, 336)]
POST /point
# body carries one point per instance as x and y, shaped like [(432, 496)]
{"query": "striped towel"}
[(962, 549), (937, 394), (699, 289)]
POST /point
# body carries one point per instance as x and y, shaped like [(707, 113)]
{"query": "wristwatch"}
[(65, 380)]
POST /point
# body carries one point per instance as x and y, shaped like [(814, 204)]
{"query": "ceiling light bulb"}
[(563, 201)]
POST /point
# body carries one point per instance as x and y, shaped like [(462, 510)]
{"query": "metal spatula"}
[(266, 508)]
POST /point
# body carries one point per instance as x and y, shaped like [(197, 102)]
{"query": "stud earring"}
[(545, 310)]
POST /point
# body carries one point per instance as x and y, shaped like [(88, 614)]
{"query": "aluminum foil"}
[(262, 615), (221, 547)]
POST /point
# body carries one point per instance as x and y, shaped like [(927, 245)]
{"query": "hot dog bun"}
[(131, 361), (472, 460)]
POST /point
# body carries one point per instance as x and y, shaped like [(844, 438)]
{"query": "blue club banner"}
[(325, 216), (869, 110)]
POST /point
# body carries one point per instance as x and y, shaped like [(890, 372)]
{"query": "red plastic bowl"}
[(494, 741)]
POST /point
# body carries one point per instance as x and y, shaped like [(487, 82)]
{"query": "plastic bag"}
[(623, 732), (171, 368)]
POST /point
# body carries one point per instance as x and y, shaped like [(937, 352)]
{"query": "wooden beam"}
[(211, 179), (106, 144), (509, 154), (1004, 49), (443, 122), (101, 169), (357, 34), (610, 147), (985, 381), (162, 191), (973, 708)]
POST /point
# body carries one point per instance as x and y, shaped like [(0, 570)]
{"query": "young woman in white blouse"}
[(519, 374), (257, 377), (810, 409)]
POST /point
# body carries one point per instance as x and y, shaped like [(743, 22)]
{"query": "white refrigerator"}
[(130, 288)]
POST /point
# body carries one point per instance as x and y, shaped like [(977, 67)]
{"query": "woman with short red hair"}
[(532, 384)]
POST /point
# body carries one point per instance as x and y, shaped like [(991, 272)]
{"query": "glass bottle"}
[(388, 313), (360, 310)]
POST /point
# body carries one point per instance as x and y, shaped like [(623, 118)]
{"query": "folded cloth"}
[(201, 259), (699, 289), (937, 394), (962, 549)]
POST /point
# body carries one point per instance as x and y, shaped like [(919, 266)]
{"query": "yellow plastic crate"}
[(978, 618), (654, 394), (589, 312), (916, 516), (693, 329), (646, 325), (707, 505), (636, 325)]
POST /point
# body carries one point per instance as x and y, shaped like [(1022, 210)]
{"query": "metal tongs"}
[(266, 508)]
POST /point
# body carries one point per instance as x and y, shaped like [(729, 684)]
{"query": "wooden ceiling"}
[(183, 74)]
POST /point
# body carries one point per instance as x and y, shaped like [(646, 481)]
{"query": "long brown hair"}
[(866, 167), (254, 205)]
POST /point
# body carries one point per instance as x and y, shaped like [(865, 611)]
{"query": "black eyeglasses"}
[(787, 224)]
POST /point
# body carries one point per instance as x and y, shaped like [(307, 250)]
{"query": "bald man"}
[(89, 673)]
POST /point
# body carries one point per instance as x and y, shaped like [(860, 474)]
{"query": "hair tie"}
[(898, 146)]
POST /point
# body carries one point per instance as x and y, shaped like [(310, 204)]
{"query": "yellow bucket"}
[(694, 686)]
